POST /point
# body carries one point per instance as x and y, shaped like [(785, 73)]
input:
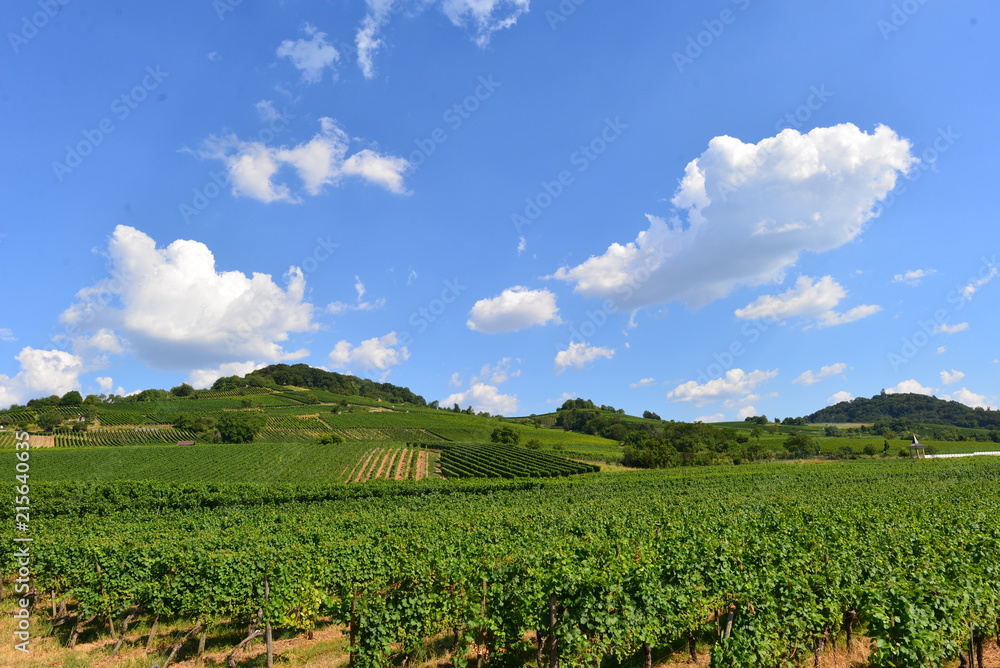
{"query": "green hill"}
[(916, 408)]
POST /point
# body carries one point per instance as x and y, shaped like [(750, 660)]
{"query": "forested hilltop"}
[(303, 375), (917, 408)]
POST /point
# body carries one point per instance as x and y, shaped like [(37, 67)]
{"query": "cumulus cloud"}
[(176, 311), (498, 373), (715, 417), (809, 377), (105, 383), (578, 355), (484, 397), (913, 277), (969, 398), (837, 397), (43, 373), (360, 303), (266, 111), (203, 378), (909, 387), (941, 350), (951, 377), (736, 383), (745, 212), (481, 18), (745, 412), (375, 354), (951, 329), (310, 56), (319, 162), (7, 335), (810, 300), (645, 382), (514, 309)]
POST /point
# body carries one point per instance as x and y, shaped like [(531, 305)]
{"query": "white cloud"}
[(176, 311), (203, 378), (43, 373), (942, 349), (736, 383), (483, 397), (809, 300), (514, 309), (481, 18), (951, 329), (969, 290), (645, 382), (745, 412), (969, 398), (498, 373), (322, 161), (909, 387), (375, 354), (952, 377), (455, 380), (310, 56), (837, 397), (579, 355), (360, 304), (715, 417), (913, 277), (266, 111), (522, 244), (7, 334), (749, 211), (809, 377), (105, 383), (562, 398)]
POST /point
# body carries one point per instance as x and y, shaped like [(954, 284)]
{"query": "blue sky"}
[(708, 210)]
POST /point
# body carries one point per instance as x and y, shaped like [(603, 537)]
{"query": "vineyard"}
[(752, 565), (119, 437), (491, 460)]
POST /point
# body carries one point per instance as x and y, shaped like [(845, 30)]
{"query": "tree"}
[(182, 390), (92, 400), (49, 421), (801, 446), (534, 444), (71, 398), (869, 450), (650, 415), (830, 430), (329, 439), (506, 434), (240, 426)]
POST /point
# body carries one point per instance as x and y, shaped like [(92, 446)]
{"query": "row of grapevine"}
[(491, 460), (297, 422)]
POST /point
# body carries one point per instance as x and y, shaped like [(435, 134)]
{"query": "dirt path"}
[(421, 465), (404, 460), (361, 471), (385, 463)]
